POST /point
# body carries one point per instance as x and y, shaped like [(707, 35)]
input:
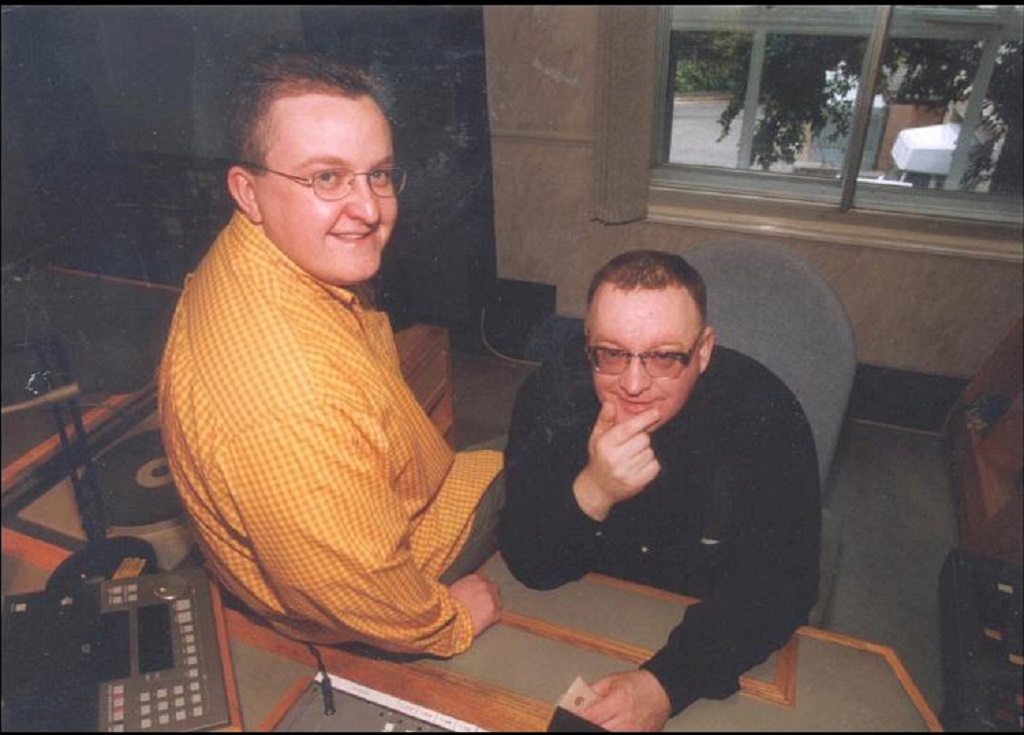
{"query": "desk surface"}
[(515, 672)]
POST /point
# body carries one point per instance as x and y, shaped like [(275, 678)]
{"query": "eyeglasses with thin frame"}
[(657, 363), (333, 184)]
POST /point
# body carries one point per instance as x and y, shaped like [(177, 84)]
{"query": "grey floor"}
[(890, 489)]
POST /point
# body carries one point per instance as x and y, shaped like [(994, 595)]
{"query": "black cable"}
[(325, 681), (493, 350)]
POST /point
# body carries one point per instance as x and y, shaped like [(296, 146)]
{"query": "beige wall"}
[(933, 313)]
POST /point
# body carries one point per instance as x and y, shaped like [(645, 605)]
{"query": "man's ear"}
[(241, 184), (707, 346)]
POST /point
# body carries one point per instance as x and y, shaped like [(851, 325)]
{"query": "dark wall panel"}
[(113, 150), (431, 61)]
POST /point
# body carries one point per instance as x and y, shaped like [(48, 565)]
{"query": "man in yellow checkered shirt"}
[(320, 493)]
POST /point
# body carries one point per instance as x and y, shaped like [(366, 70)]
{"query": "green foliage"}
[(1002, 123), (927, 72), (807, 81), (796, 92), (706, 61)]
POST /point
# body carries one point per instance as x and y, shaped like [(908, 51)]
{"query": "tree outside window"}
[(935, 61)]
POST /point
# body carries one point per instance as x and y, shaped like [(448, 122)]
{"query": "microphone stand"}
[(101, 557)]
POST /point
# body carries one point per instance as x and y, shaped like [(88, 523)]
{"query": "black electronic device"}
[(138, 654), (980, 602)]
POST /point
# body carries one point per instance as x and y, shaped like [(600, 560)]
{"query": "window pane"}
[(943, 135), (710, 72), (805, 101), (1001, 132), (928, 86), (807, 97), (954, 122)]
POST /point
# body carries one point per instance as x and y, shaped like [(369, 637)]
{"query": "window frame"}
[(682, 193)]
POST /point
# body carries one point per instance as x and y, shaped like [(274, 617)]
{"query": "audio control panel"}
[(130, 655)]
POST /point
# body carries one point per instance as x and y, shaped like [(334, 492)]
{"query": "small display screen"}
[(156, 643)]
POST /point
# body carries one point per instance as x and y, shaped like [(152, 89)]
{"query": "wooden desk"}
[(513, 674), (424, 353), (987, 454)]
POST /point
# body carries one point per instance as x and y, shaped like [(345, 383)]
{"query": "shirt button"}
[(599, 533), (644, 549)]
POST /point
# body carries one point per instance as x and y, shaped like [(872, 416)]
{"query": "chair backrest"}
[(769, 304)]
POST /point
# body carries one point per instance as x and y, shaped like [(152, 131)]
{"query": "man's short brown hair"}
[(651, 270), (282, 71)]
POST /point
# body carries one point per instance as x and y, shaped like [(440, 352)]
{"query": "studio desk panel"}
[(513, 674)]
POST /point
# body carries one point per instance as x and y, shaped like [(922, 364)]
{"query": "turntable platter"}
[(136, 482)]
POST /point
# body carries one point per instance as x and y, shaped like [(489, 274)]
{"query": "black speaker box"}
[(515, 312), (980, 615)]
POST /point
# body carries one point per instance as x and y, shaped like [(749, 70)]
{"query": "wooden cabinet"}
[(425, 357), (985, 436)]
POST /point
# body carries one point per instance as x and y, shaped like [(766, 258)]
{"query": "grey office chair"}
[(767, 303)]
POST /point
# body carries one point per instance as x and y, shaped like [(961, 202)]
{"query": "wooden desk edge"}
[(91, 420), (784, 686), (485, 705), (531, 714), (284, 705), (33, 551), (889, 654), (780, 691), (236, 723)]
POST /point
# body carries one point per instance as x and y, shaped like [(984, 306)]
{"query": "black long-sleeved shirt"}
[(733, 518)]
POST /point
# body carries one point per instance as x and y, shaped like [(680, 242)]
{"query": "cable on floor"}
[(493, 350)]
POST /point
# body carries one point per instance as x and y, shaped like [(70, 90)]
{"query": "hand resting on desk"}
[(481, 598)]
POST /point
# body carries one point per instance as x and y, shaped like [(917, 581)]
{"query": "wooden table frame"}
[(489, 706)]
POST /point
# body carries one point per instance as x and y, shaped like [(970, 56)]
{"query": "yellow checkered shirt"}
[(320, 492)]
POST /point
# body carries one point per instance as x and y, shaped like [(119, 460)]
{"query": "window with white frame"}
[(908, 109)]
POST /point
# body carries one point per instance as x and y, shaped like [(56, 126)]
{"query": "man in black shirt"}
[(648, 454)]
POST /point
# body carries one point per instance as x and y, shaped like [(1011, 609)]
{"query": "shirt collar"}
[(255, 239)]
